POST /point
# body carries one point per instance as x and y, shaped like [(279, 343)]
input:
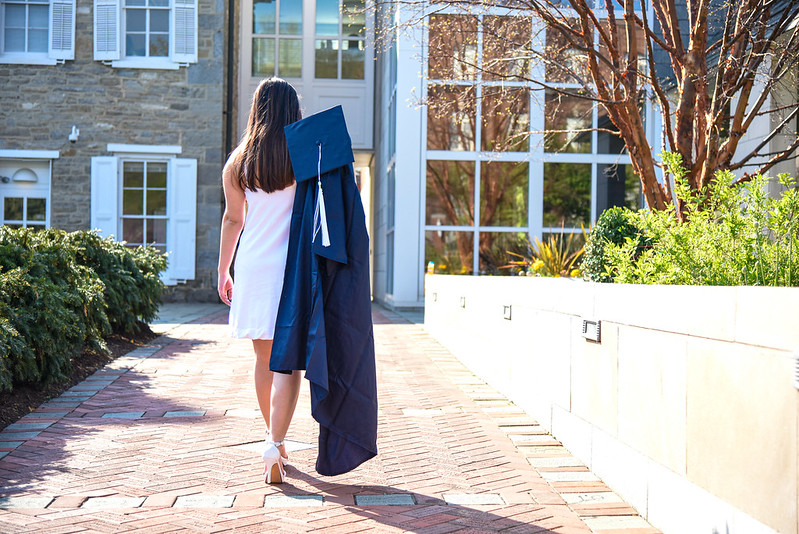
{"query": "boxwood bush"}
[(62, 292)]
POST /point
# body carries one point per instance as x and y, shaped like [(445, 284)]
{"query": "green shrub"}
[(131, 276), (57, 292), (733, 235), (615, 226)]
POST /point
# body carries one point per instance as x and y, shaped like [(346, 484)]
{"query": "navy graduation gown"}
[(324, 320)]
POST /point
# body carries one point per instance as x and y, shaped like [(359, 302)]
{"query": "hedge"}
[(62, 292)]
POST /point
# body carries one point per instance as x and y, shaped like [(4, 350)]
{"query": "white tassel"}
[(320, 215)]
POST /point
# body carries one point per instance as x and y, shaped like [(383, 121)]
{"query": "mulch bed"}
[(26, 398)]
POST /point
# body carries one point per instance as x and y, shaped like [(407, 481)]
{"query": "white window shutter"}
[(62, 29), (105, 195), (182, 225), (107, 29), (184, 33)]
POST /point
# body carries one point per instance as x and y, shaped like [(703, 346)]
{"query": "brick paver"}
[(166, 439)]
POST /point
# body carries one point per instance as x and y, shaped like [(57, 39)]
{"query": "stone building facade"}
[(157, 117)]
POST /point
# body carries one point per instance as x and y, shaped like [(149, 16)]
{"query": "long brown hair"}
[(264, 157)]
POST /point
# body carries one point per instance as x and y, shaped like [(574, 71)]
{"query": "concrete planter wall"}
[(687, 407)]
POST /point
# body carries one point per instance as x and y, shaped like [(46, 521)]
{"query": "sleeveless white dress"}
[(260, 263)]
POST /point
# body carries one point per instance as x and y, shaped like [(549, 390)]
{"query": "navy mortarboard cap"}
[(326, 130)]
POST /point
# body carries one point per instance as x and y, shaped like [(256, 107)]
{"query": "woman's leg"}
[(277, 409), (263, 377)]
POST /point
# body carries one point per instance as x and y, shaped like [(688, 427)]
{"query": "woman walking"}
[(259, 191)]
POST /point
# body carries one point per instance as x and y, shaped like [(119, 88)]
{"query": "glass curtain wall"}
[(492, 180)]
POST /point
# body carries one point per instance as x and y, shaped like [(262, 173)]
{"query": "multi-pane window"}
[(277, 38), (24, 211), (144, 203), (147, 28), (340, 44), (25, 25), (477, 107), (493, 179)]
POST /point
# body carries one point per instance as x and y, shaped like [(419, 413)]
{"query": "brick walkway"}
[(166, 439)]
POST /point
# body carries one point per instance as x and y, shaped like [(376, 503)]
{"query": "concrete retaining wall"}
[(686, 407)]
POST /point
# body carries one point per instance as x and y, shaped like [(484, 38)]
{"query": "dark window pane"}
[(568, 121), (451, 117), (506, 47), (290, 58), (451, 252), (159, 3), (567, 194), (263, 57), (496, 250), (159, 20), (263, 16), (156, 202), (291, 17), (326, 17), (503, 193), (136, 20), (12, 209), (156, 175), (129, 3), (156, 231), (506, 119), (135, 45), (132, 202), (133, 231), (607, 142), (326, 65), (159, 45), (450, 193), (617, 185), (352, 59), (453, 47), (133, 174), (37, 209)]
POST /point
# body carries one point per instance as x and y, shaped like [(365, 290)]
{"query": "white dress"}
[(260, 263)]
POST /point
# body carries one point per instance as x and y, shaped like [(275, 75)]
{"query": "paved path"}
[(166, 439)]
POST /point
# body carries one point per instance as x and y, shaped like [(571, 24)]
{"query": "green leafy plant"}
[(615, 226), (732, 235), (556, 256)]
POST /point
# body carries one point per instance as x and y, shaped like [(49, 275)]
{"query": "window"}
[(145, 195), (25, 187), (340, 45), (37, 32), (277, 38), (148, 34)]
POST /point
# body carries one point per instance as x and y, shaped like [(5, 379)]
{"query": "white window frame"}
[(109, 36), (60, 37), (35, 156), (106, 201)]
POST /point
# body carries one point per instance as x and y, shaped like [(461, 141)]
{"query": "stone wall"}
[(40, 104)]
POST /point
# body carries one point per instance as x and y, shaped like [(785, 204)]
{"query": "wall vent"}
[(463, 302), (506, 312)]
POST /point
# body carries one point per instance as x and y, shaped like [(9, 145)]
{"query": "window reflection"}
[(326, 64), (263, 56), (568, 122), (291, 17), (567, 194), (495, 248), (617, 185), (290, 58), (453, 47), (451, 116), (327, 17), (450, 193), (353, 18), (506, 119), (503, 193), (506, 47), (352, 59), (565, 64), (263, 16), (607, 142), (451, 252)]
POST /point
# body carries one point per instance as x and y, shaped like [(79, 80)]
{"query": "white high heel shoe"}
[(273, 463)]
